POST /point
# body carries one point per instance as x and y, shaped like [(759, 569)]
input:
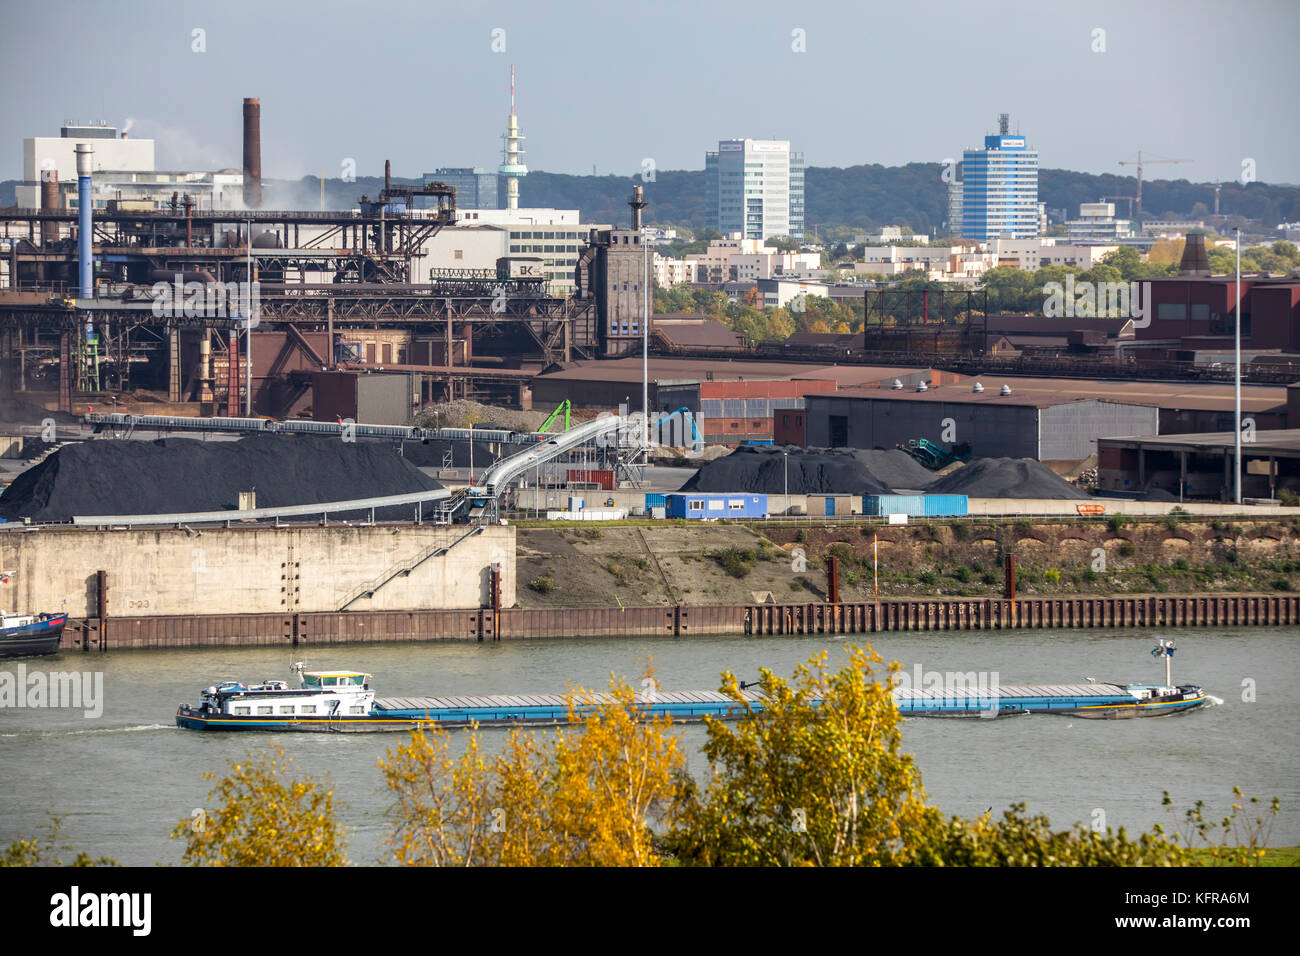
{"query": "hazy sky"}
[(613, 83)]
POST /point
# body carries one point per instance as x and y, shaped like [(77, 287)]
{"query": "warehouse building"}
[(993, 421), (1047, 419), (1201, 466)]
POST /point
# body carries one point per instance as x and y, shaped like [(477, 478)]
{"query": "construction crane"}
[(1138, 163), (1130, 202), (1217, 187)]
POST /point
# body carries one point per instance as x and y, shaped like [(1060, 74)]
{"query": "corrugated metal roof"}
[(1045, 392)]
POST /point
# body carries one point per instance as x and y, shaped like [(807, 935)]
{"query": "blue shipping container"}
[(655, 501), (914, 506), (706, 506), (945, 506)]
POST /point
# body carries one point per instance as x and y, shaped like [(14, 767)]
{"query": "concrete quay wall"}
[(254, 570)]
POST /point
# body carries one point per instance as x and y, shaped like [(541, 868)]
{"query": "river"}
[(123, 779)]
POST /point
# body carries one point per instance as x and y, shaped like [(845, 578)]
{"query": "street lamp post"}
[(1236, 484), (645, 346), (785, 471)]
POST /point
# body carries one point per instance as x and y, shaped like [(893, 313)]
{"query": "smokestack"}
[(637, 202), (1195, 263), (85, 253), (252, 153), (50, 201), (388, 175)]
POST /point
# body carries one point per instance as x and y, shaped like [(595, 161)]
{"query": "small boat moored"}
[(22, 635)]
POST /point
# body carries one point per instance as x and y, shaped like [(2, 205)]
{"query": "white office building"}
[(555, 235), (122, 171), (755, 188)]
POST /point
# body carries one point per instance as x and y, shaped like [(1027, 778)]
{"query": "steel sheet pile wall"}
[(1227, 610)]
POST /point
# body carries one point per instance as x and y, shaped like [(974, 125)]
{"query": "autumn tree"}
[(585, 795), (48, 852), (1017, 839), (813, 777), (266, 818)]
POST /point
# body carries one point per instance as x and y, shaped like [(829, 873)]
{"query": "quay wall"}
[(204, 572), (484, 624)]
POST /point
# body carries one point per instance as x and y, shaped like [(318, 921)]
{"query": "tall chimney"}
[(252, 153), (388, 175), (50, 201), (85, 251), (637, 202)]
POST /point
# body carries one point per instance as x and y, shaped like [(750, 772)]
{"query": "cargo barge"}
[(343, 702)]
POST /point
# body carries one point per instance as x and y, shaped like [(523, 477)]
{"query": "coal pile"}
[(25, 413), (433, 453), (175, 475), (763, 469), (1004, 478), (895, 468)]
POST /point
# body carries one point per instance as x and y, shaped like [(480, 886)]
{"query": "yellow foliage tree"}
[(813, 778), (266, 819), (583, 796), (1166, 251)]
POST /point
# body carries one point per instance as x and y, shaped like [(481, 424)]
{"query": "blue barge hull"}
[(42, 636), (409, 713), (1100, 701), (1103, 701)]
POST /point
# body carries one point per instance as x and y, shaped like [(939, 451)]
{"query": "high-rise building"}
[(955, 199), (755, 188), (476, 188), (1000, 188)]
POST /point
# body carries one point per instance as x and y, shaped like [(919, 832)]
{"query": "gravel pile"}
[(1004, 478), (763, 469), (175, 475), (462, 412)]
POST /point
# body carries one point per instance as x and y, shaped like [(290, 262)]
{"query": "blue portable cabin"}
[(710, 506), (915, 506)]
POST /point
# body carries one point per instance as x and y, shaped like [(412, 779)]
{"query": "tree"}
[(782, 243), (266, 819), (43, 853), (1126, 259), (585, 796), (1021, 840), (815, 777), (1166, 251)]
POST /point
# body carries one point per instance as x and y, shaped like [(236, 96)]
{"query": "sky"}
[(610, 85)]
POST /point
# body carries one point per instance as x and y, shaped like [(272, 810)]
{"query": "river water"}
[(122, 780)]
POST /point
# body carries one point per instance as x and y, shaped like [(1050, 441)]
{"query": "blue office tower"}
[(1000, 189)]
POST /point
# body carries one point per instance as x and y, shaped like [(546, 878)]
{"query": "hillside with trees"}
[(838, 201)]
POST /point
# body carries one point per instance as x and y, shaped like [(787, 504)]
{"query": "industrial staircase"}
[(404, 569)]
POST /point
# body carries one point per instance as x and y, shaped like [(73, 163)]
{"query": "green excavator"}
[(934, 456)]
